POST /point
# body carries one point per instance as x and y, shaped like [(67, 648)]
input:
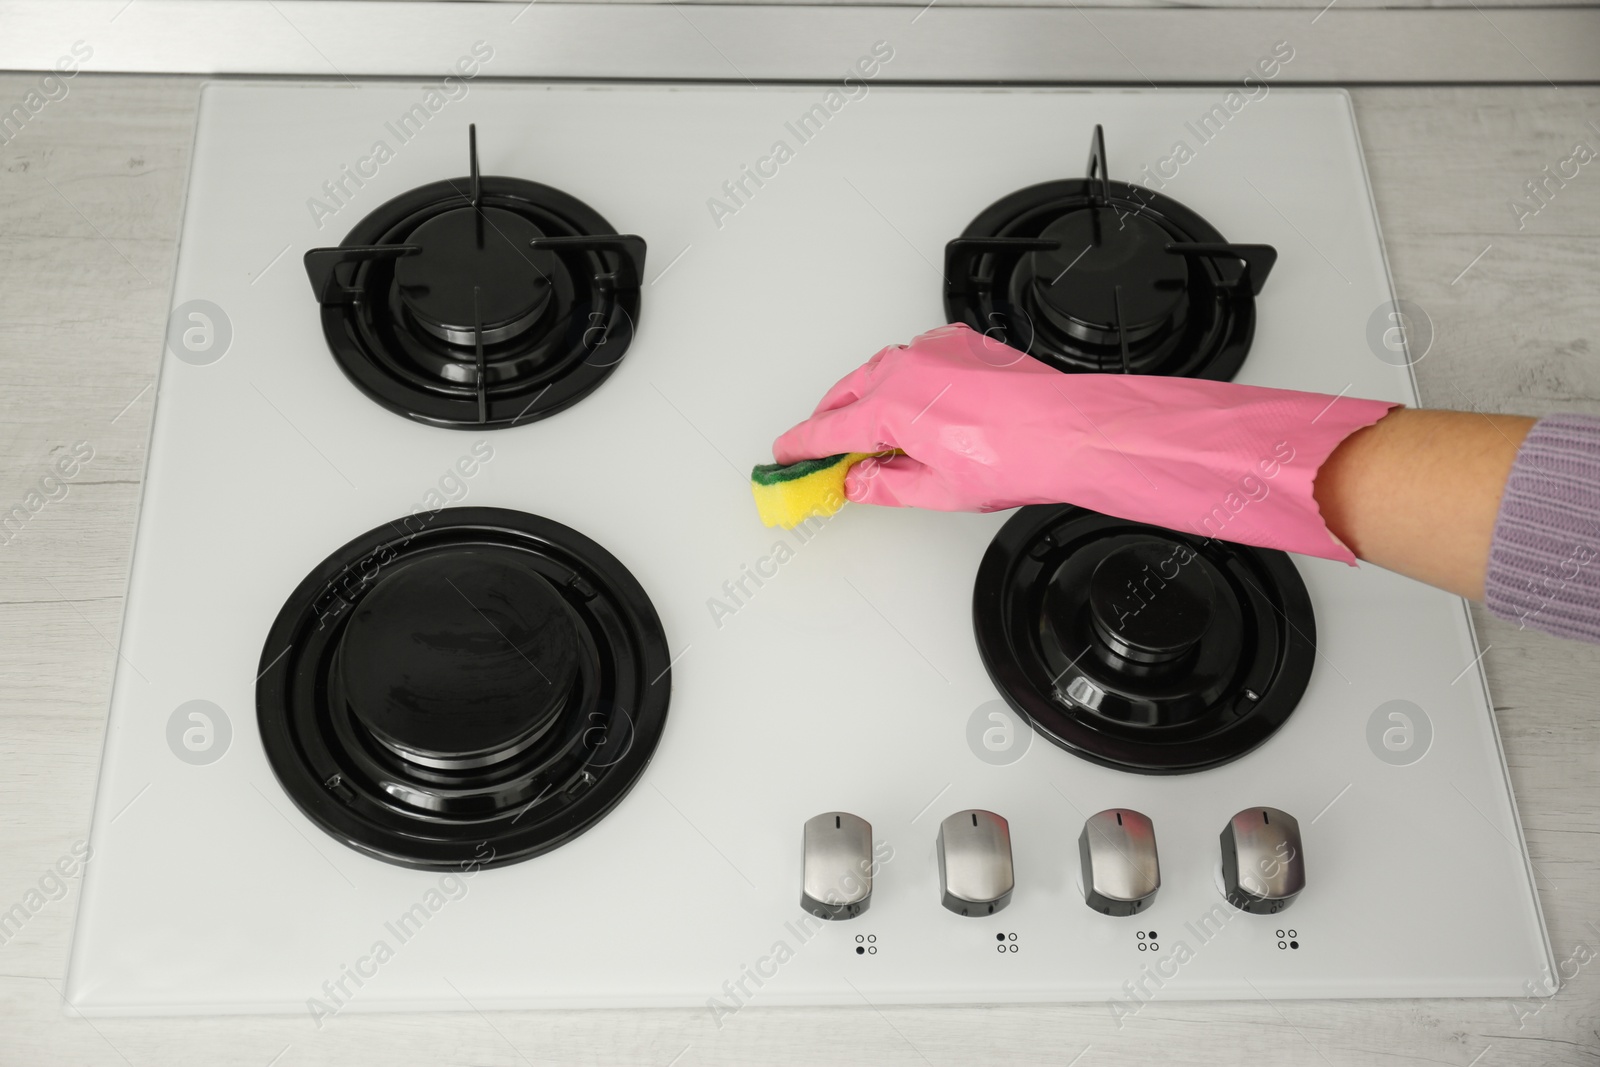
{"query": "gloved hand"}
[(984, 427)]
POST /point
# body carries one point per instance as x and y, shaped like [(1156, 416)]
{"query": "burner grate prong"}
[(483, 367), (1122, 334), (321, 263), (472, 152), (1257, 260), (1097, 166), (963, 258), (629, 247)]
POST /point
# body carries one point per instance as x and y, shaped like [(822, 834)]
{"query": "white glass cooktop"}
[(845, 679)]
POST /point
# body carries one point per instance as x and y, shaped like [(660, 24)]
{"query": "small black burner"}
[(473, 685), (1079, 283), (1098, 275), (1141, 648), (479, 301), (476, 270)]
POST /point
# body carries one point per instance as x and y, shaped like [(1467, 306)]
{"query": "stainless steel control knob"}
[(1263, 862), (975, 873), (836, 880), (1117, 851)]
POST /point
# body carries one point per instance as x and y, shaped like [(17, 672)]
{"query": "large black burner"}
[(479, 301), (1141, 648), (472, 685), (1100, 275)]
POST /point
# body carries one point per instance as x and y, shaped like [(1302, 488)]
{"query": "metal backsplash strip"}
[(739, 43)]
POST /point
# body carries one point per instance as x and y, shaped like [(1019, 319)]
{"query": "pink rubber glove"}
[(985, 427)]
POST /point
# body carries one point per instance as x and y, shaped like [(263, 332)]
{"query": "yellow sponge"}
[(787, 495)]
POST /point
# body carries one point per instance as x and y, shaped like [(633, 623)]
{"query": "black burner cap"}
[(1147, 607), (1102, 251), (475, 266), (460, 659)]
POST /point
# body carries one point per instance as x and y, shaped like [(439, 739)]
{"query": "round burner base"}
[(438, 763), (1141, 648)]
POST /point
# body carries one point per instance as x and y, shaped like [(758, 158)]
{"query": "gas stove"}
[(457, 670)]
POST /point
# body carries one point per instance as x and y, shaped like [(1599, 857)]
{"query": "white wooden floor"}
[(89, 206)]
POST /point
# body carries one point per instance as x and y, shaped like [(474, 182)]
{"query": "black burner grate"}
[(479, 301), (1098, 275)]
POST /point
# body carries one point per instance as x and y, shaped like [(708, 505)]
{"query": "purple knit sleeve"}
[(1544, 560)]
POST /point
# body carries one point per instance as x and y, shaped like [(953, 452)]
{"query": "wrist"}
[(1418, 491)]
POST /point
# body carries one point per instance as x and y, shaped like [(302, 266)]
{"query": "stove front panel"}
[(832, 671)]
